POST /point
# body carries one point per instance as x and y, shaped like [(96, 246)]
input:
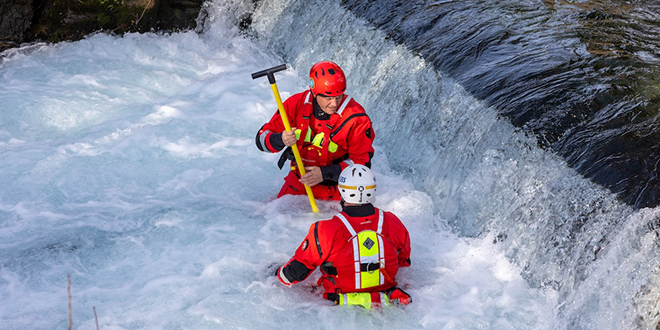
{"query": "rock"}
[(15, 20), (24, 21)]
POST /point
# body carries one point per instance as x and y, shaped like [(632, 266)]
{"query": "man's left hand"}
[(313, 176)]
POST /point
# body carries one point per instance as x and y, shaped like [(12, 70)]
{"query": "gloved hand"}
[(398, 296)]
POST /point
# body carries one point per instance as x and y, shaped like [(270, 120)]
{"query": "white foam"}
[(139, 178)]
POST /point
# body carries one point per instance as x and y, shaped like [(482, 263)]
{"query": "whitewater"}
[(128, 163)]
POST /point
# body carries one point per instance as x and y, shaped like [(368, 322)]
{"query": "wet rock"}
[(24, 21), (15, 20)]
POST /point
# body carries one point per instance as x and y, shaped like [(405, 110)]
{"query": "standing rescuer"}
[(359, 251), (331, 130)]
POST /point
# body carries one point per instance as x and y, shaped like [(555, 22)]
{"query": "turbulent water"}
[(128, 163), (534, 122), (581, 76)]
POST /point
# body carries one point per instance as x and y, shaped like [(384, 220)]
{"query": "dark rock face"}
[(58, 20), (15, 20)]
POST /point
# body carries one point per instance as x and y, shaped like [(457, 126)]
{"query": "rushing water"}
[(129, 164), (499, 110), (582, 76)]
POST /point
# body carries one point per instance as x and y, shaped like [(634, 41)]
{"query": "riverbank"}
[(25, 21)]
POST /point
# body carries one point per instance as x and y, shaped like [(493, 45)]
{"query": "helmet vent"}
[(329, 79), (357, 184)]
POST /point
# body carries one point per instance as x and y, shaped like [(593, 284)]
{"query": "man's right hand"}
[(289, 138)]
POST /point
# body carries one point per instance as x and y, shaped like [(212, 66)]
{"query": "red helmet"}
[(327, 78)]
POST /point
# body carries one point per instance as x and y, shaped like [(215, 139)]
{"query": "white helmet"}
[(357, 184)]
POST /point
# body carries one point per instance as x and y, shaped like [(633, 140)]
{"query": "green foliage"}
[(104, 19)]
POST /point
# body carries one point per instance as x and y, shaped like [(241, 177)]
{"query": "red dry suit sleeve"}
[(356, 135), (398, 234), (360, 142), (305, 259), (269, 137)]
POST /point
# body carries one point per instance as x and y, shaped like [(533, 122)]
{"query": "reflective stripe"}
[(262, 139), (283, 278), (367, 300), (343, 105), (355, 188), (381, 261), (380, 221), (381, 246), (363, 254), (356, 262), (384, 300), (356, 249), (347, 224)]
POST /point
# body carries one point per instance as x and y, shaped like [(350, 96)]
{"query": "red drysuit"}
[(345, 265), (331, 142)]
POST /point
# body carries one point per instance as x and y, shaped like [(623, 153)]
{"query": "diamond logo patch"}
[(368, 243)]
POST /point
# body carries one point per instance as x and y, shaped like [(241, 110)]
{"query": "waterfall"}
[(486, 175)]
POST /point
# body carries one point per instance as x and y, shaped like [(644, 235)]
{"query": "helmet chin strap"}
[(318, 112)]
